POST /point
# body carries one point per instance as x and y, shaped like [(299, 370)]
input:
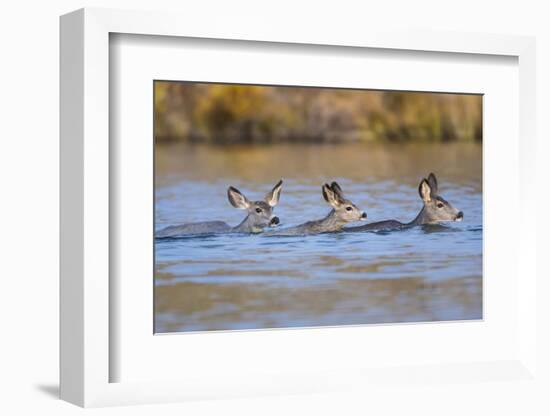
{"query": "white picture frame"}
[(86, 356)]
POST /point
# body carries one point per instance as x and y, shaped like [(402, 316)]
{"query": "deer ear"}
[(330, 196), (326, 192), (237, 199), (272, 198), (425, 191), (432, 181), (337, 190)]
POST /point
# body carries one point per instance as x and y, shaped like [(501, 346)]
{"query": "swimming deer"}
[(435, 210), (343, 212), (259, 216)]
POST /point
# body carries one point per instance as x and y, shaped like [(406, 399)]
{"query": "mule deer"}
[(259, 216), (435, 210), (343, 212)]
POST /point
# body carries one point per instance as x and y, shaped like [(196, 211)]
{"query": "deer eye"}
[(258, 210), (439, 205), (348, 208)]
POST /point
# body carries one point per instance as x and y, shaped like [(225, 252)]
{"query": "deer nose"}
[(363, 215), (274, 221), (459, 216)]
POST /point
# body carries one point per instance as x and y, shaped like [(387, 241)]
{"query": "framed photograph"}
[(262, 213), (303, 251)]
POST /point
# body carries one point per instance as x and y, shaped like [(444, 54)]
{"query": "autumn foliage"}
[(226, 113)]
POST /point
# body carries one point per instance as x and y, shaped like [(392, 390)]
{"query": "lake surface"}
[(233, 281)]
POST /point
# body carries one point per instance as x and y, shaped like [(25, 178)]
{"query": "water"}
[(228, 282)]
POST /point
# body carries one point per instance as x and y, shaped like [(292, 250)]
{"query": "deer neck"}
[(421, 218), (247, 226), (331, 222)]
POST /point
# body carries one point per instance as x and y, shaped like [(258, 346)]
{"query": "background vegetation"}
[(225, 114)]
